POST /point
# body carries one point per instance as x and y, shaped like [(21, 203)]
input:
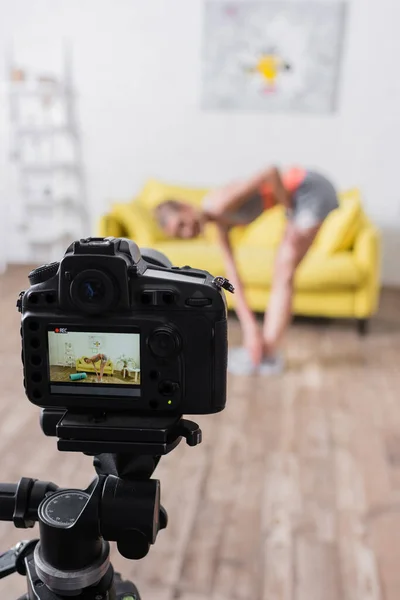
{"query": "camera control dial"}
[(43, 273), (164, 342)]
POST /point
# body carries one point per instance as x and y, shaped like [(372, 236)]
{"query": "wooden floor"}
[(294, 493), (61, 374)]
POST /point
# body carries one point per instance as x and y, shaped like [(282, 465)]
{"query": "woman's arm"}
[(252, 334), (235, 195), (243, 311)]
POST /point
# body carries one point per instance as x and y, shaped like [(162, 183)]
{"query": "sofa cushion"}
[(267, 230), (340, 229), (316, 272), (155, 191), (236, 234), (138, 223), (338, 271), (196, 253)]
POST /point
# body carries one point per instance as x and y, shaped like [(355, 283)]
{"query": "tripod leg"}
[(125, 589)]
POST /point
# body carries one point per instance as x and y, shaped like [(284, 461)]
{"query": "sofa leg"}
[(362, 326)]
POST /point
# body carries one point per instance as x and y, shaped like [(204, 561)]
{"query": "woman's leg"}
[(294, 246), (102, 367)]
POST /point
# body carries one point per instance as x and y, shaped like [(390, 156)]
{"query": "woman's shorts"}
[(314, 199)]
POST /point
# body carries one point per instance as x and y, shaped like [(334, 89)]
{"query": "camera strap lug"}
[(19, 301), (223, 282)]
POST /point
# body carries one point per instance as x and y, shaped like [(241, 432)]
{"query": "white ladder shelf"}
[(47, 151)]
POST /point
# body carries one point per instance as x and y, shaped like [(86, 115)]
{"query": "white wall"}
[(114, 345), (137, 67)]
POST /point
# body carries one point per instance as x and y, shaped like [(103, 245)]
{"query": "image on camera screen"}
[(100, 359)]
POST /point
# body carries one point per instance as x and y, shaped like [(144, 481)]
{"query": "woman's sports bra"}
[(291, 179)]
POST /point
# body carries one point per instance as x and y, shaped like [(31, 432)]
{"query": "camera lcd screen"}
[(98, 363)]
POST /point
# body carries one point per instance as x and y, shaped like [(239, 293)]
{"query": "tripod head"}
[(121, 504)]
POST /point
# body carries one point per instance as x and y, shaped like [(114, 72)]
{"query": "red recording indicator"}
[(57, 330)]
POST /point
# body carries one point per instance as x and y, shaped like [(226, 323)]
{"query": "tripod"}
[(122, 504)]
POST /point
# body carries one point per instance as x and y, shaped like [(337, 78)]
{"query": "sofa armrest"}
[(367, 250), (367, 254)]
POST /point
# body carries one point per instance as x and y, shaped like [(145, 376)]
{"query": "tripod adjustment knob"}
[(133, 545), (130, 514)]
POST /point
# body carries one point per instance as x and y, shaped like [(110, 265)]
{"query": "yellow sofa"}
[(339, 277), (82, 366)]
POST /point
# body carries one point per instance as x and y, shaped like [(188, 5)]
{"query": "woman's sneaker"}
[(271, 365), (240, 363)]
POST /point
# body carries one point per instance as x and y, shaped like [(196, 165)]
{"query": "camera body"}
[(111, 330)]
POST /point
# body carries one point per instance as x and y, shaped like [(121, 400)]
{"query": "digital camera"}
[(117, 329)]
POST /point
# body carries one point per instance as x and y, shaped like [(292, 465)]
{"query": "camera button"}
[(198, 302), (168, 388)]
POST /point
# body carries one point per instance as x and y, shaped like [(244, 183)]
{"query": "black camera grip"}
[(19, 502)]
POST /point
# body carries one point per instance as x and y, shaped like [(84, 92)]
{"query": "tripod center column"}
[(71, 554)]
